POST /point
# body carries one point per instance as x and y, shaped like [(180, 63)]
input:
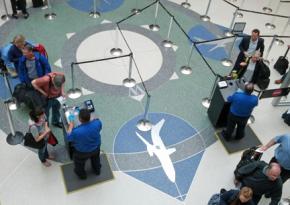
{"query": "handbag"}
[(29, 141), (52, 139)]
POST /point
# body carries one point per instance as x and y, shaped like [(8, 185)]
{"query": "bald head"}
[(249, 88), (273, 171)]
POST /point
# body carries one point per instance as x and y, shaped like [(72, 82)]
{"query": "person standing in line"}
[(38, 127), (19, 5), (282, 154)]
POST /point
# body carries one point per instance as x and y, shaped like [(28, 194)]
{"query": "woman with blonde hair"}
[(237, 197)]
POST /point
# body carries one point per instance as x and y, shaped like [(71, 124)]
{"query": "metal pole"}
[(190, 55), (72, 76), (285, 27), (130, 66), (270, 47), (232, 47), (147, 107), (169, 29), (10, 120), (6, 15), (117, 37), (156, 12), (207, 9), (50, 15), (95, 6), (233, 19), (7, 84)]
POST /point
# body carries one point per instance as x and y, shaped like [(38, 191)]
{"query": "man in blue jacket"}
[(32, 65), (242, 105), (86, 140)]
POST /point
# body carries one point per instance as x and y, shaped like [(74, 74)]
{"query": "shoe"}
[(59, 124), (278, 81), (46, 163), (238, 138), (81, 177), (12, 73), (14, 16), (97, 172), (26, 15), (224, 135)]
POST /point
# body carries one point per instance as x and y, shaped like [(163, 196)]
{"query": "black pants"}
[(80, 159), (285, 174), (241, 123), (21, 4)]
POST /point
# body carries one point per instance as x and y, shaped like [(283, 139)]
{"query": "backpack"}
[(41, 49), (286, 117), (214, 199)]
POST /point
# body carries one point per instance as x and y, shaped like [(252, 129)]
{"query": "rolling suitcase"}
[(282, 63)]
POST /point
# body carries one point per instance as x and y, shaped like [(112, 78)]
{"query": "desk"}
[(219, 107), (64, 119)]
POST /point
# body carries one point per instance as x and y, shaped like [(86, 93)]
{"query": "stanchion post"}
[(95, 14), (167, 43), (205, 17), (206, 101), (144, 124), (227, 61), (155, 26), (185, 4), (6, 16), (130, 82), (73, 92), (186, 69), (268, 50), (136, 10), (116, 51), (50, 15), (230, 31), (13, 138)]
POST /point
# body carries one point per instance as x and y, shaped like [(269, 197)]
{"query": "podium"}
[(219, 106)]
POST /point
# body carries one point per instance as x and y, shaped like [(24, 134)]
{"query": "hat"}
[(58, 80)]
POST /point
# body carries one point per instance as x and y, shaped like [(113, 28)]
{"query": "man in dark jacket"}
[(263, 179), (32, 65), (248, 47)]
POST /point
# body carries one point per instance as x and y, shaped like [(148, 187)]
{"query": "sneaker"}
[(46, 163), (12, 73), (26, 15), (14, 16), (278, 81)]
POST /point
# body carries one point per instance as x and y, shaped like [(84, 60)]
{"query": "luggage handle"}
[(286, 52)]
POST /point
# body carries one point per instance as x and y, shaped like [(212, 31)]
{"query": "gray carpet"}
[(248, 141), (73, 183)]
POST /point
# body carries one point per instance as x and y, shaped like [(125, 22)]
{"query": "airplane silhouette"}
[(161, 152)]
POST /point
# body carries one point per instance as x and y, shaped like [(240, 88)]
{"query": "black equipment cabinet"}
[(219, 107)]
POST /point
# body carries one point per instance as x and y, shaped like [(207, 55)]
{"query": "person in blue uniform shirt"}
[(242, 105), (86, 141)]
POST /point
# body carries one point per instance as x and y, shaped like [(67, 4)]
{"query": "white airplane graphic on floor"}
[(161, 152)]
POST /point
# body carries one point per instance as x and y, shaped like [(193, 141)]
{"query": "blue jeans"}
[(54, 104), (43, 153)]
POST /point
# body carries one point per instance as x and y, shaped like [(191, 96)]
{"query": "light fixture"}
[(186, 70), (205, 102), (205, 18), (227, 62), (270, 26), (13, 138), (267, 9), (144, 124), (251, 120), (155, 26), (185, 4), (130, 82)]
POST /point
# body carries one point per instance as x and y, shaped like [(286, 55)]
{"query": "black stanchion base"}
[(15, 139), (5, 17), (50, 16), (95, 14)]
